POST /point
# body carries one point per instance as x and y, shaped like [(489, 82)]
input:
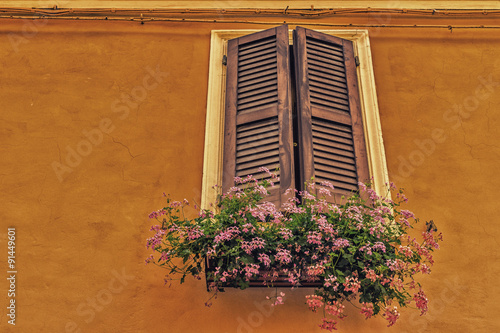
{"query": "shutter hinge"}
[(224, 60), (356, 60)]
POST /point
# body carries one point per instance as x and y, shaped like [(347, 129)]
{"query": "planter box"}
[(258, 282)]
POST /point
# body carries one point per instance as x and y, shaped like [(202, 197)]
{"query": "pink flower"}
[(352, 284), (285, 233), (157, 213), (234, 189), (366, 248), (314, 237), (165, 256), (251, 270), (283, 256), (264, 259), (335, 309), (279, 299), (397, 283), (367, 309), (421, 301), (371, 275), (194, 233), (328, 324), (306, 195), (331, 281), (254, 244), (175, 204), (407, 214), (227, 234), (379, 246), (362, 186), (324, 192), (260, 189), (293, 278), (423, 268), (211, 252), (406, 251), (315, 270), (327, 184), (391, 314), (430, 241), (314, 302), (326, 227), (340, 243), (156, 240), (248, 227), (263, 169), (396, 265)]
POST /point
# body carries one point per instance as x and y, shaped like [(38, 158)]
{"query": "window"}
[(333, 120)]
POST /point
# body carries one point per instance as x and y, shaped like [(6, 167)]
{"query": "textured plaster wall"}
[(65, 89)]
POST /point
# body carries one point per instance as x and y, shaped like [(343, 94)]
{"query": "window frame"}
[(214, 127)]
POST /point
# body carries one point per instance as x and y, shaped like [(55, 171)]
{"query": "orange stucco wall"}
[(81, 230)]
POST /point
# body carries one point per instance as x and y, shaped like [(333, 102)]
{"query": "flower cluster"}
[(362, 248)]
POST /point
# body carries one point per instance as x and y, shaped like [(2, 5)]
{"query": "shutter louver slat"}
[(258, 61), (258, 78), (322, 46), (330, 93), (321, 80), (321, 133), (255, 163), (256, 138), (253, 54), (257, 98), (253, 86), (322, 56), (258, 90), (326, 72), (250, 69), (251, 47), (327, 68), (271, 44), (267, 150), (327, 87)]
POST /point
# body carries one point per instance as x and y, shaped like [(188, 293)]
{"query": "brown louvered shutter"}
[(258, 119), (331, 137)]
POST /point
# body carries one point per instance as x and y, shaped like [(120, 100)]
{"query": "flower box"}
[(354, 249)]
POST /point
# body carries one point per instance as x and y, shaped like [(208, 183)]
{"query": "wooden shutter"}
[(331, 138), (258, 119)]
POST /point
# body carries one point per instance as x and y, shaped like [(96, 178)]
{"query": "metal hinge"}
[(356, 60), (224, 60)]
